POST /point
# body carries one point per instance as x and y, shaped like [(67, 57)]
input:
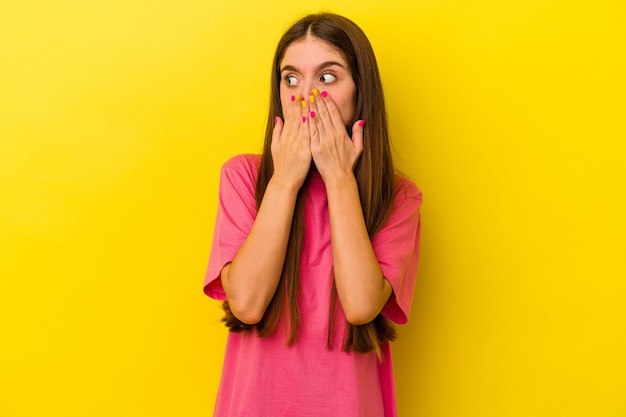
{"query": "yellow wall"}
[(115, 117)]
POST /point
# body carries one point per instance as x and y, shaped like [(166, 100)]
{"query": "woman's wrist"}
[(340, 182), (284, 185)]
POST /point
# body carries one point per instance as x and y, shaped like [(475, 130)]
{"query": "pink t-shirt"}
[(262, 377)]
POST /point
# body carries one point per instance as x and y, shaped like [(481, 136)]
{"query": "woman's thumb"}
[(357, 134)]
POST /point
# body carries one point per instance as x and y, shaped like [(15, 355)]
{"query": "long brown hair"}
[(374, 173)]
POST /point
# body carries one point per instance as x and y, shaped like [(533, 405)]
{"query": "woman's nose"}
[(308, 88)]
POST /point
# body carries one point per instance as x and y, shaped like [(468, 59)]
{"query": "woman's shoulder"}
[(241, 169), (406, 188), (243, 162)]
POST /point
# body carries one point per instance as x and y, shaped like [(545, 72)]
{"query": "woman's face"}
[(312, 63)]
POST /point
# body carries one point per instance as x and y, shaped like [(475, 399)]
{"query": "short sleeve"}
[(397, 249), (236, 212)]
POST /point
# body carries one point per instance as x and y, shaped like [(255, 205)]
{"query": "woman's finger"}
[(292, 113), (304, 133), (278, 129), (314, 120), (329, 114), (357, 136)]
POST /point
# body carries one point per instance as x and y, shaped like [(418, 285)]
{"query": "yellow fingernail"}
[(297, 98), (312, 99), (303, 104), (316, 92)]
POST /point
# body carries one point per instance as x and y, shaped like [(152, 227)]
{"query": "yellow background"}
[(115, 117)]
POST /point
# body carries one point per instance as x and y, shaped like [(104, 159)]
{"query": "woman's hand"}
[(361, 287), (251, 279), (333, 152), (291, 145)]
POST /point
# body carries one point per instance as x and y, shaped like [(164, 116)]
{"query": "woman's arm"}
[(361, 287), (251, 279)]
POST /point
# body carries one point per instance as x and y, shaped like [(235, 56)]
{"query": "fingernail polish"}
[(324, 94), (276, 120), (362, 122), (316, 92), (303, 119), (312, 114), (293, 98), (312, 99), (303, 104), (298, 97)]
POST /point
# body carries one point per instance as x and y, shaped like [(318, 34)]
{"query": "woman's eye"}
[(327, 78), (291, 80)]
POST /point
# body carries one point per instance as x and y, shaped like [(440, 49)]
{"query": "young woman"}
[(316, 242)]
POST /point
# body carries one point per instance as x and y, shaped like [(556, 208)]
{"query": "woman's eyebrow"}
[(319, 67)]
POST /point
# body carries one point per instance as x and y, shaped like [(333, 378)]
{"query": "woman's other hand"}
[(291, 144), (332, 150)]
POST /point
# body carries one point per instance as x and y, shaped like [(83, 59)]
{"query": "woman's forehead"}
[(310, 49)]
